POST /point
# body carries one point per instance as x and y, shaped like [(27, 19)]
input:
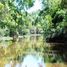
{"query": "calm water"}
[(17, 54), (13, 53)]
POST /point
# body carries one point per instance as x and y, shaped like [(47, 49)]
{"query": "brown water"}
[(14, 52)]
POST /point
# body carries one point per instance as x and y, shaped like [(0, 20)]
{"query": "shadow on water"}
[(61, 50), (59, 45)]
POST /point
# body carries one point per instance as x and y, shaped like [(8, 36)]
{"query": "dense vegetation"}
[(50, 21)]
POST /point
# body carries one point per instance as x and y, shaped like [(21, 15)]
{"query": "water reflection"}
[(18, 65), (8, 65), (33, 61), (29, 61), (16, 52)]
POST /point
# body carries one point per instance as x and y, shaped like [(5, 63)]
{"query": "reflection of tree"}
[(61, 50)]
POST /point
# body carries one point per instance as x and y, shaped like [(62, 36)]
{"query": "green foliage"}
[(13, 18), (54, 19), (51, 21)]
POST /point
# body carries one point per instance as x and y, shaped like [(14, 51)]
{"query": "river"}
[(17, 54)]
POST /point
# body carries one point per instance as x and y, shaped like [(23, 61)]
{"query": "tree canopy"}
[(50, 20)]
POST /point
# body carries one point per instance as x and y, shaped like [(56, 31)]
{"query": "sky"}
[(37, 6)]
